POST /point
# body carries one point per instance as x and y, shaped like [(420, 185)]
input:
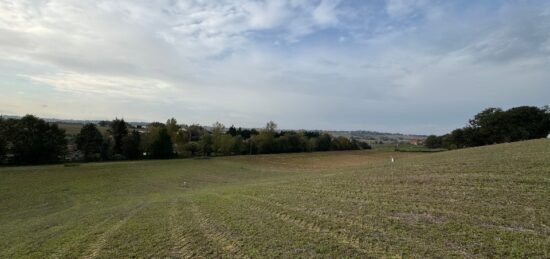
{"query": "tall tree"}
[(192, 147), (206, 144), (3, 148), (247, 133), (218, 131), (151, 135), (107, 149), (238, 145), (90, 142), (489, 125), (266, 139), (3, 139), (324, 142), (341, 143), (194, 132), (433, 141), (35, 141), (178, 135), (227, 144), (131, 145), (232, 131), (526, 122), (494, 125), (161, 148), (295, 142), (118, 130), (271, 127), (173, 128)]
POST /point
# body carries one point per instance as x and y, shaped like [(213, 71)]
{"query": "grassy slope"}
[(488, 201)]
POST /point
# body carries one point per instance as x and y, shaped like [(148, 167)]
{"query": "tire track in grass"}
[(41, 221), (322, 190), (341, 196), (354, 198), (312, 213), (309, 226), (215, 236), (102, 240), (376, 235), (62, 252), (332, 195), (182, 246)]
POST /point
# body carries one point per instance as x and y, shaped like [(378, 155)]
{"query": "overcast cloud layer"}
[(401, 66)]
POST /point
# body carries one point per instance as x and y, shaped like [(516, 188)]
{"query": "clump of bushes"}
[(494, 125), (31, 140)]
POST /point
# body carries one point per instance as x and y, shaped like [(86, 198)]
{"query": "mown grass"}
[(481, 202)]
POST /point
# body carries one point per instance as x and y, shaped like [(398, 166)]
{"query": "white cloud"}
[(326, 12), (138, 88), (304, 63)]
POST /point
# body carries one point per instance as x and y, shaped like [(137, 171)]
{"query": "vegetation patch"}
[(480, 202)]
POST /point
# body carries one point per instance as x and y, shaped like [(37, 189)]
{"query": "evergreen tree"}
[(90, 142), (131, 146), (232, 131), (161, 148), (118, 130), (3, 139)]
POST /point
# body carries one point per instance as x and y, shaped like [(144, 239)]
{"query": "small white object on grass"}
[(392, 160)]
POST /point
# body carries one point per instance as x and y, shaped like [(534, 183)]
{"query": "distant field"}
[(481, 202)]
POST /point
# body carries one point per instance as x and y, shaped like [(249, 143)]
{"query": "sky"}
[(410, 66)]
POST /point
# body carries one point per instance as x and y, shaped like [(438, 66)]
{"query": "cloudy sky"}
[(401, 66)]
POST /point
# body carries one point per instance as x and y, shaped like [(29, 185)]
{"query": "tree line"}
[(494, 125), (31, 140)]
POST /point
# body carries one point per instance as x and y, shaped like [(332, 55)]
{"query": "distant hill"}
[(73, 121), (379, 137)]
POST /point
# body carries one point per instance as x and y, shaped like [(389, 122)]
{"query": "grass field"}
[(481, 202)]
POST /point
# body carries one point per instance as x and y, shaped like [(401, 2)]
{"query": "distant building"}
[(416, 142), (142, 129)]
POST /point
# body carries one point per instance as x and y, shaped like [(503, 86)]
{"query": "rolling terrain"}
[(491, 201)]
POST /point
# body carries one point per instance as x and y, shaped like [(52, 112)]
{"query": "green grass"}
[(482, 202)]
